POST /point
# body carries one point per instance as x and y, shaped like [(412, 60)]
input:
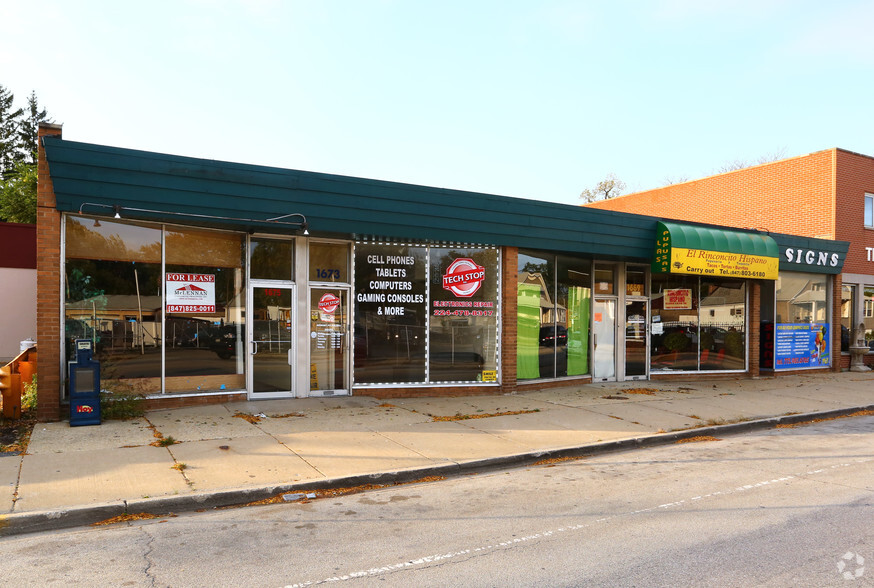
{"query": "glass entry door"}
[(271, 351), (636, 341), (329, 341), (604, 340)]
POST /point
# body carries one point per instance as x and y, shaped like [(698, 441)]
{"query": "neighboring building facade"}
[(826, 195), (201, 281), (17, 287)]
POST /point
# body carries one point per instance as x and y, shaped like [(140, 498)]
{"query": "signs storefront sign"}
[(190, 293)]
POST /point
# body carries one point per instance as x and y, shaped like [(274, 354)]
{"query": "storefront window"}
[(802, 331), (721, 330), (204, 303), (117, 296), (271, 259), (391, 313), (553, 313), (408, 331), (674, 309), (635, 281), (868, 319), (329, 262), (113, 297), (464, 309), (605, 277), (848, 317), (698, 323)]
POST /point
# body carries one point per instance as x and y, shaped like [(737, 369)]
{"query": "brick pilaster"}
[(837, 287), (509, 287), (755, 309), (48, 286)]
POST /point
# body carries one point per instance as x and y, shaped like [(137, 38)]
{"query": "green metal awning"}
[(707, 251)]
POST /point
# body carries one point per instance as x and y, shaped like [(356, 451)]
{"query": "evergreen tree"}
[(18, 194), (28, 130), (19, 130), (10, 146)]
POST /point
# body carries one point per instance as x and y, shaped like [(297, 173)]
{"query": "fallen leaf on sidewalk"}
[(814, 421), (649, 391), (555, 460), (697, 439), (250, 418), (464, 417), (125, 518)]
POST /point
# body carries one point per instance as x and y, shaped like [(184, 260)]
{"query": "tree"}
[(10, 146), (18, 194), (18, 153), (743, 163), (28, 130), (609, 187)]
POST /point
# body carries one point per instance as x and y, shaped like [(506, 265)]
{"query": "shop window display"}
[(115, 295), (802, 332), (553, 313), (410, 331), (112, 292), (463, 314), (697, 323), (205, 299), (391, 313), (849, 323)]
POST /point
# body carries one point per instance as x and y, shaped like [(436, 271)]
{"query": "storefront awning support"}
[(301, 224)]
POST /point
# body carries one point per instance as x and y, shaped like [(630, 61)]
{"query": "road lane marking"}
[(510, 543)]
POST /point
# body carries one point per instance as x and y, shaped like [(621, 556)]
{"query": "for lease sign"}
[(190, 292)]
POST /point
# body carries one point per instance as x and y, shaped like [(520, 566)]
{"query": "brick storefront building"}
[(826, 195), (198, 281)]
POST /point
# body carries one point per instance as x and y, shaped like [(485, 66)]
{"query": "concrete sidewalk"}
[(240, 452)]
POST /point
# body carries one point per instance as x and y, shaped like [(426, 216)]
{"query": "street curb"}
[(78, 516)]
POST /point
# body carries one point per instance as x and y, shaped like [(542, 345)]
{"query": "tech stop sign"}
[(328, 303), (463, 277)]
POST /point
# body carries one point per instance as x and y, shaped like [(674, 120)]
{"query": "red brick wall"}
[(854, 177), (48, 287), (792, 196), (509, 299)]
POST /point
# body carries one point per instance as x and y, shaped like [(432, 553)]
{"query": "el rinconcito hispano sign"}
[(744, 261)]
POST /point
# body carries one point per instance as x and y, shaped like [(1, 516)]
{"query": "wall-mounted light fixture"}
[(301, 224)]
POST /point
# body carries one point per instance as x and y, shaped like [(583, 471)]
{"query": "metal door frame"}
[(252, 349), (347, 368)]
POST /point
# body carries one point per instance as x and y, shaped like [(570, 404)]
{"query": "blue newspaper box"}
[(84, 379)]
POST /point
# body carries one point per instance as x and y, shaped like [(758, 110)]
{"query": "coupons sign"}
[(190, 293)]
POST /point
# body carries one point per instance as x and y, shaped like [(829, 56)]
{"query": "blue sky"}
[(531, 99)]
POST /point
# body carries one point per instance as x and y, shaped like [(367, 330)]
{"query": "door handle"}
[(254, 347)]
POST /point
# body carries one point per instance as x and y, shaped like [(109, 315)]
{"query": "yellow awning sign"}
[(703, 251)]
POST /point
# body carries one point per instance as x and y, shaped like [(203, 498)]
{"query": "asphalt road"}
[(782, 507)]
